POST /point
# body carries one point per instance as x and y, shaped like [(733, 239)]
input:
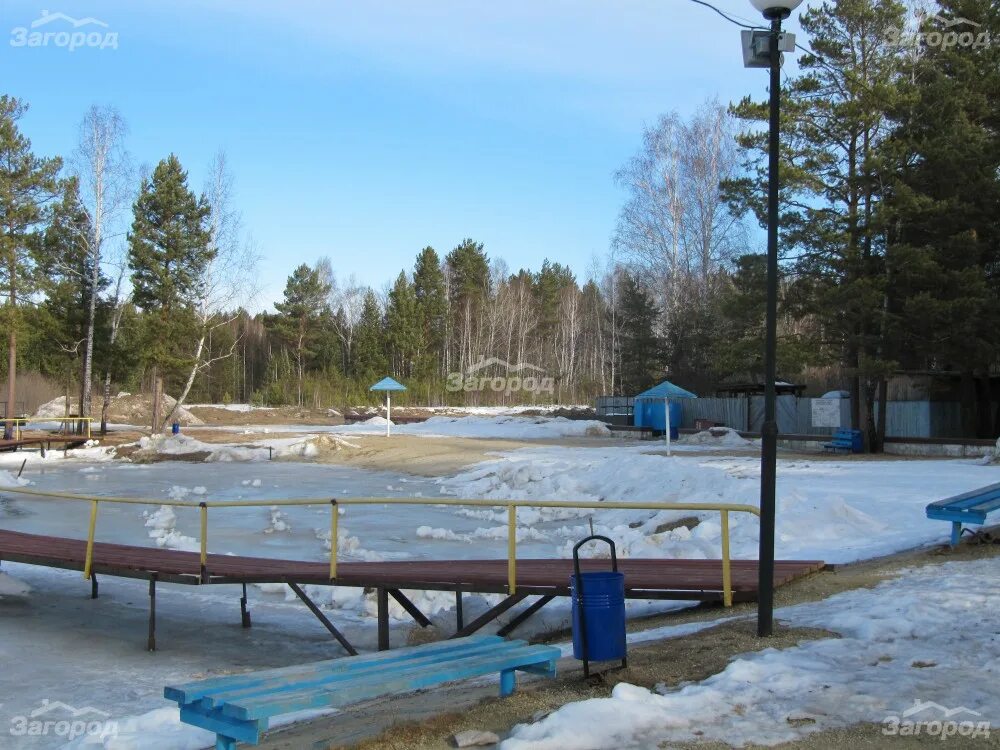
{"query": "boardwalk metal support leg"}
[(151, 640), (510, 626), (956, 533), (382, 597), (244, 615), (459, 615), (322, 618), (508, 681), (93, 585), (224, 743), (410, 607), (489, 615)]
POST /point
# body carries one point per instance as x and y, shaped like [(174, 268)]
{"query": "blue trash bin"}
[(598, 611), (175, 428)]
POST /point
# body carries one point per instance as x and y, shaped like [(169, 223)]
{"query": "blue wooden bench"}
[(845, 440), (237, 707), (969, 507)]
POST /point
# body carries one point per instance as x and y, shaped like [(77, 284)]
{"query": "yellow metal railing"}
[(724, 509), (19, 422)]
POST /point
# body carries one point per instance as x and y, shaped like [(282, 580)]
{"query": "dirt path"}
[(426, 721)]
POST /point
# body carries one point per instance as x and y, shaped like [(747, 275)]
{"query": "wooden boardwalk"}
[(699, 580)]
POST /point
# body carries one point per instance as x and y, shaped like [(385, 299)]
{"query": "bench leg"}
[(151, 640), (956, 532), (382, 597), (508, 681), (224, 743), (244, 615)]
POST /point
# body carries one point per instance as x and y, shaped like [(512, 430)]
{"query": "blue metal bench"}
[(237, 707), (969, 507), (845, 440)]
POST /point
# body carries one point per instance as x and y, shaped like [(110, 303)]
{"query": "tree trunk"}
[(157, 394), (86, 388), (883, 410), (190, 381)]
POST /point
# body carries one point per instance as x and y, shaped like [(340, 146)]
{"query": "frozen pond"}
[(367, 532)]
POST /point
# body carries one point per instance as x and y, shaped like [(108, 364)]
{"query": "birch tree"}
[(101, 166)]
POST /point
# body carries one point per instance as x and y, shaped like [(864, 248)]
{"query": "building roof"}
[(666, 389), (387, 384)]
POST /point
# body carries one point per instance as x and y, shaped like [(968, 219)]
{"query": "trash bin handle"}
[(591, 538)]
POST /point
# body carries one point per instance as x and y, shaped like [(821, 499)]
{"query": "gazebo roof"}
[(387, 384)]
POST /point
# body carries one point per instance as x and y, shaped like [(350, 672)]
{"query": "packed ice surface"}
[(917, 651)]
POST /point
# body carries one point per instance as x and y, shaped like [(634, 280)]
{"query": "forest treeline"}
[(117, 278)]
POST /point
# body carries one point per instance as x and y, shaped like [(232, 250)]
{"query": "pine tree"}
[(68, 274), (835, 117), (169, 243), (402, 327), (431, 295), (304, 302), (370, 359), (641, 355), (468, 290), (28, 184), (942, 214)]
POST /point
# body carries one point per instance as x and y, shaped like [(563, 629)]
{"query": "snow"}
[(10, 586), (719, 437), (834, 510), (921, 648), (239, 408), (497, 427)]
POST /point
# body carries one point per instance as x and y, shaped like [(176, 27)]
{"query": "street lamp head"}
[(776, 8)]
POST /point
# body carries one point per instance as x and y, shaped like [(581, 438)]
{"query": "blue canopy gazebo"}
[(659, 408), (387, 386)]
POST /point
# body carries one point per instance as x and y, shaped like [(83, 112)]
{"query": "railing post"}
[(511, 549), (203, 509), (88, 562), (334, 528), (727, 573)]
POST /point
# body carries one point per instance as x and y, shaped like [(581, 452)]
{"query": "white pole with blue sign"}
[(666, 421), (387, 386)]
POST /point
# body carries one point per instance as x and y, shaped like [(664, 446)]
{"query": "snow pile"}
[(125, 407), (162, 525), (160, 728), (238, 408), (376, 421), (916, 652), (137, 409), (10, 480), (12, 587), (722, 437), (835, 511), (524, 533), (183, 446), (278, 521), (507, 427), (56, 408)]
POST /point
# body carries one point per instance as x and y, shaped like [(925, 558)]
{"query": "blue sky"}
[(367, 130)]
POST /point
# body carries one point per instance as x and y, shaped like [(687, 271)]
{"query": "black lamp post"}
[(763, 49)]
